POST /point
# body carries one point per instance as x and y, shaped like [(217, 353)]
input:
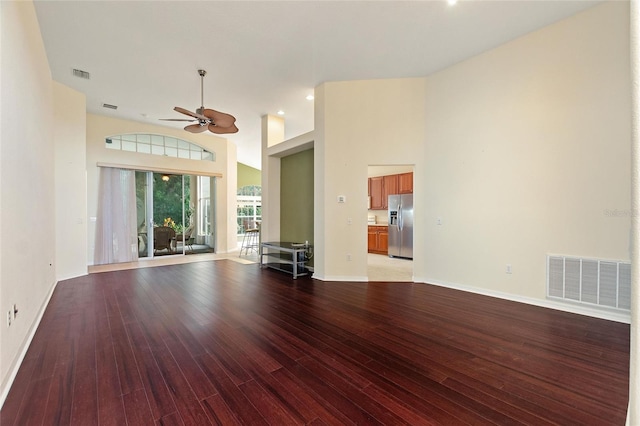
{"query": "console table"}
[(284, 256)]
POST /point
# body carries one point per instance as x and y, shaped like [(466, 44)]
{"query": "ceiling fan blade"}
[(189, 113), (175, 119), (222, 130), (195, 128), (221, 119)]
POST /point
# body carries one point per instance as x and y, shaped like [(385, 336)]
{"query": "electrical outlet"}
[(348, 257), (9, 319), (509, 268)]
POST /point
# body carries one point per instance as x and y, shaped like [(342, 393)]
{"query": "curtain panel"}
[(116, 228)]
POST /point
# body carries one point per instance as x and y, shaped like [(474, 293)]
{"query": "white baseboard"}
[(340, 278), (544, 303), (17, 362)]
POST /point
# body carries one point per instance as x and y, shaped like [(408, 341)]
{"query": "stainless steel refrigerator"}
[(401, 225)]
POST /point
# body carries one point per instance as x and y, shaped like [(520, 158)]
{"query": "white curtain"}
[(116, 228)]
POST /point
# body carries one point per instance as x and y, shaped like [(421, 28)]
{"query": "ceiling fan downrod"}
[(202, 74)]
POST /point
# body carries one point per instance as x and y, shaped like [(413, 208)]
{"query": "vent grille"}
[(109, 106), (596, 282), (81, 74)]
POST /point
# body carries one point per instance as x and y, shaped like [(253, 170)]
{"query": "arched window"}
[(159, 145)]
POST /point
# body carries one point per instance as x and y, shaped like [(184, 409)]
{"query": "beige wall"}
[(69, 133), (362, 123), (528, 147), (27, 188), (99, 127), (522, 151), (272, 135)]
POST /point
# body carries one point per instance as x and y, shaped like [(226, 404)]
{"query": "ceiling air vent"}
[(109, 106), (81, 74)]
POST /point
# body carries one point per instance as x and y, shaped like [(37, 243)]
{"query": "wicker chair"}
[(189, 240), (162, 237)]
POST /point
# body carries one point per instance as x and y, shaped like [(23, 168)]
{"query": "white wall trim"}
[(575, 309), (342, 278), (13, 372)]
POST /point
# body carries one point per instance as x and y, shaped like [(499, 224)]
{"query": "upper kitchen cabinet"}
[(376, 192), (405, 183), (380, 187), (390, 187)]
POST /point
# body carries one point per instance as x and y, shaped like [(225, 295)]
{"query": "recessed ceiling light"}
[(309, 97), (281, 112), (452, 2)]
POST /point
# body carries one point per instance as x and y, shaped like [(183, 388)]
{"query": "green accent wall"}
[(248, 176), (296, 197)]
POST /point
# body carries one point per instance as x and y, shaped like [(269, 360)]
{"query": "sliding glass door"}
[(174, 214)]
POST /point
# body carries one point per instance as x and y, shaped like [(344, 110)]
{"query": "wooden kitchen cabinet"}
[(405, 183), (378, 239), (390, 188), (383, 241), (376, 192), (380, 187)]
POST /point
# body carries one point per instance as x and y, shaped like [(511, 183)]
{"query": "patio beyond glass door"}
[(161, 200)]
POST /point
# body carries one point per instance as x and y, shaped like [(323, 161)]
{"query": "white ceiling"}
[(265, 56)]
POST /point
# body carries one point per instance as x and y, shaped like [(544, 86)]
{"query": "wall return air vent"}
[(594, 282)]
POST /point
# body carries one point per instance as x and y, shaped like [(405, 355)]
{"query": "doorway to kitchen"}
[(390, 228)]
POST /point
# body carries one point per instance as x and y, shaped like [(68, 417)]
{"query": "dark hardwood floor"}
[(224, 343)]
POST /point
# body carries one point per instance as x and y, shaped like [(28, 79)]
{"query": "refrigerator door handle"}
[(400, 224)]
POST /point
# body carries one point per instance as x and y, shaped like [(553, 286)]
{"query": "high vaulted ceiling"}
[(265, 56)]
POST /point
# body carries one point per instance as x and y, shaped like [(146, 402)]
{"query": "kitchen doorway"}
[(383, 181)]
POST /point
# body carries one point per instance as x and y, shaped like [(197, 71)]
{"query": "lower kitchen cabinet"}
[(378, 239)]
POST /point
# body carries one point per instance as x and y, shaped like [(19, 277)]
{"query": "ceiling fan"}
[(207, 119)]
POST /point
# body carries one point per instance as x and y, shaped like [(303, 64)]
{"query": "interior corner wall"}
[(27, 176), (99, 127), (528, 154), (69, 134)]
